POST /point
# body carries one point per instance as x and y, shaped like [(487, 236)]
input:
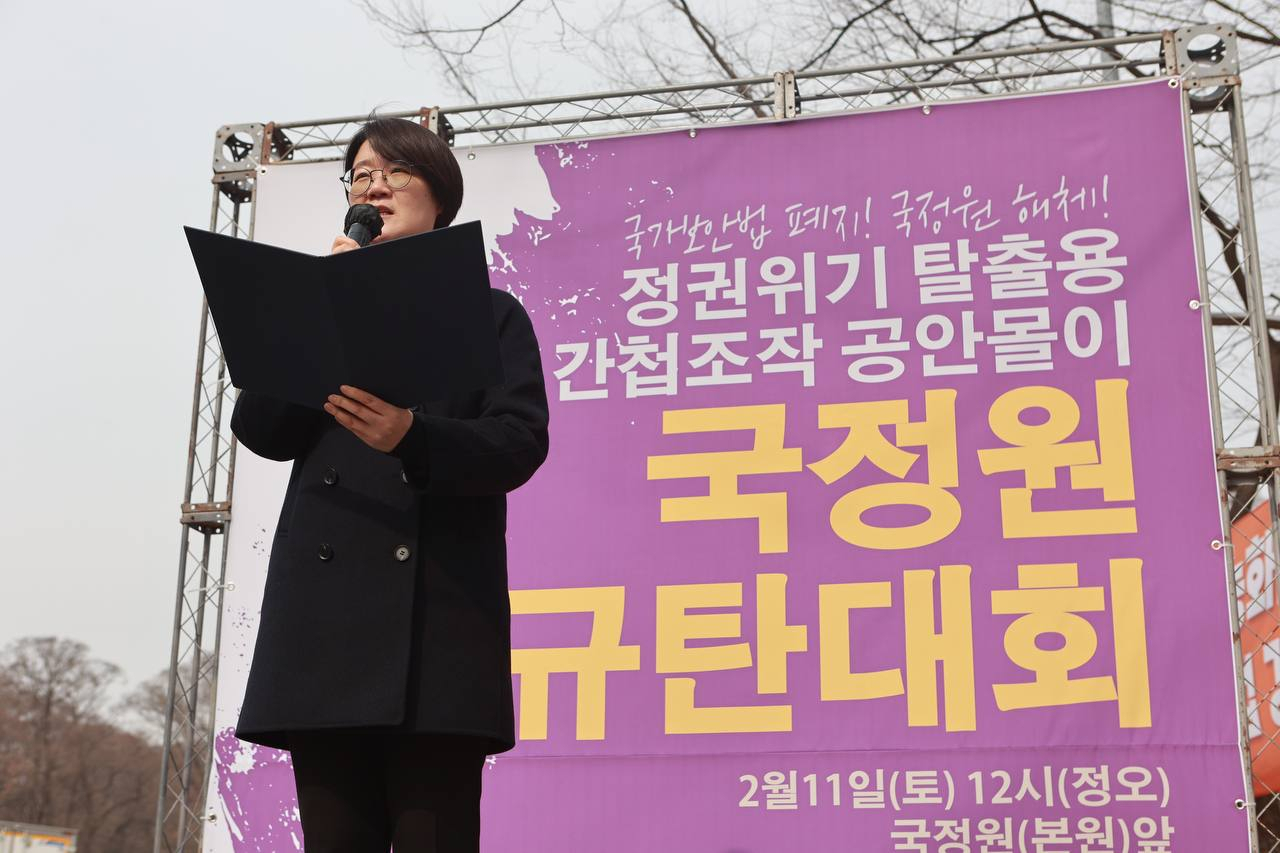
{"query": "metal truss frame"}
[(1201, 60)]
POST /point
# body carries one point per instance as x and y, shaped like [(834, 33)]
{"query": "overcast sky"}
[(109, 114)]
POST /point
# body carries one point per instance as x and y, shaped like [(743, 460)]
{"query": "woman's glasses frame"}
[(394, 168)]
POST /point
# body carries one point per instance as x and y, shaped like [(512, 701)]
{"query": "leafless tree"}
[(635, 43), (144, 709), (61, 761), (53, 685)]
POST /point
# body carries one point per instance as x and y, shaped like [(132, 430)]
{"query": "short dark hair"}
[(402, 139)]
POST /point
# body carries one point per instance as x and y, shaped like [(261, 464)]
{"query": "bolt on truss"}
[(1201, 60)]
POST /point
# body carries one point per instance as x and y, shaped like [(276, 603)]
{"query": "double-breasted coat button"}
[(330, 477), (402, 552), (325, 552), (404, 478)]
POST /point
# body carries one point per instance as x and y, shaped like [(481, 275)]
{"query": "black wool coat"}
[(386, 597)]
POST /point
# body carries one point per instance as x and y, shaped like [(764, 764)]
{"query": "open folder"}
[(409, 320)]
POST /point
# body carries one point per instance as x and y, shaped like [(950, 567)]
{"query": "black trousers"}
[(366, 790)]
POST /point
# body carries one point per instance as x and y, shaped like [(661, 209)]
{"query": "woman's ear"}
[(439, 210)]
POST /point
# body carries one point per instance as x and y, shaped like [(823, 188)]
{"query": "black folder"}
[(409, 320)]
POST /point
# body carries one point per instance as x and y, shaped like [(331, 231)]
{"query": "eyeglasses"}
[(397, 175)]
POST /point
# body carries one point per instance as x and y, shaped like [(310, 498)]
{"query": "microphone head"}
[(366, 215)]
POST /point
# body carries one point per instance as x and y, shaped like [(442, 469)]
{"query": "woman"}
[(383, 659)]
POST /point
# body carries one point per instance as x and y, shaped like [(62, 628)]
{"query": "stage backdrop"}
[(881, 505)]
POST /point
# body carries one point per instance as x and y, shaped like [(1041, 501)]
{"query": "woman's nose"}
[(379, 185)]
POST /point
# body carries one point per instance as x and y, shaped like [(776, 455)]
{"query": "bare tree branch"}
[(1271, 37), (61, 763), (840, 33), (709, 40)]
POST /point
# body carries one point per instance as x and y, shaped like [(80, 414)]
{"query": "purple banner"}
[(881, 511), (881, 504)]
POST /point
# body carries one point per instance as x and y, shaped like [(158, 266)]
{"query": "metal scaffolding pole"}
[(186, 756)]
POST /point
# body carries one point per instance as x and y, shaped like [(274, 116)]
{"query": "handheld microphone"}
[(363, 223)]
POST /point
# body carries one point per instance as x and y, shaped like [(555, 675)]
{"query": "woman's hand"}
[(343, 244), (375, 422)]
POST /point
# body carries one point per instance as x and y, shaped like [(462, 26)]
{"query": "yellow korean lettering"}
[(604, 653), (1129, 624), (775, 639), (1113, 473), (722, 469), (839, 681), (952, 647), (942, 506), (1039, 450), (1050, 602), (675, 626)]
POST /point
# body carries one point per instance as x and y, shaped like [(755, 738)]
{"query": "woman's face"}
[(406, 211)]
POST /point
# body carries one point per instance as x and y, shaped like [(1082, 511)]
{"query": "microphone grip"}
[(361, 233)]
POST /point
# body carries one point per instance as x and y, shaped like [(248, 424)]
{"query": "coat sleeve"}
[(501, 448), (272, 428)]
